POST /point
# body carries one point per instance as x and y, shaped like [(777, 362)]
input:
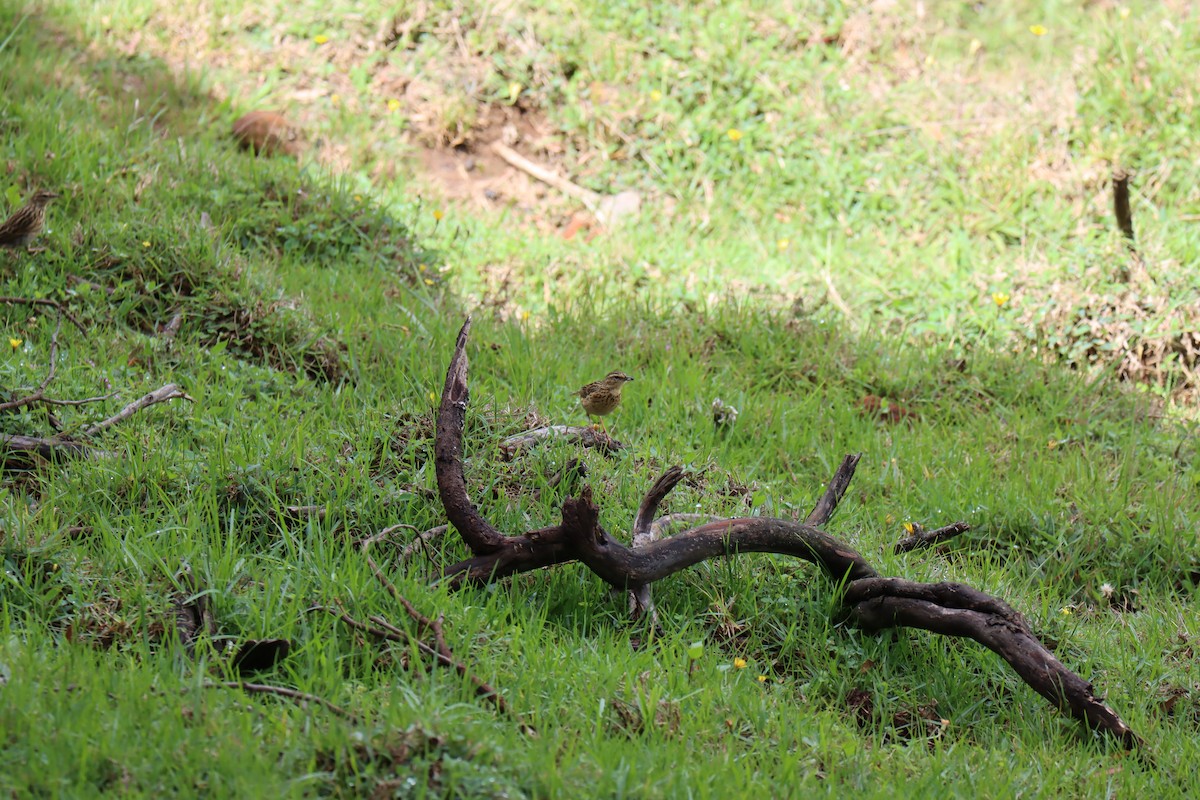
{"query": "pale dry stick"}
[(418, 542), (608, 209), (836, 298), (306, 511), (161, 395), (421, 542), (585, 437)]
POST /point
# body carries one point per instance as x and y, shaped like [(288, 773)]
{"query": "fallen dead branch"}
[(872, 602), (24, 452), (585, 437), (608, 209), (161, 395), (922, 538)]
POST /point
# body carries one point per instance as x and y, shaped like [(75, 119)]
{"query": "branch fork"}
[(873, 602)]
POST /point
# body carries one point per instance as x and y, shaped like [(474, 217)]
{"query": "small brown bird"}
[(602, 397), (27, 221)]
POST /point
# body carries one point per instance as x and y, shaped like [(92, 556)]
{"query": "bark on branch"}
[(873, 602)]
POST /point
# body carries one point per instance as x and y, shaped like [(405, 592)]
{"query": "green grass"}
[(316, 327)]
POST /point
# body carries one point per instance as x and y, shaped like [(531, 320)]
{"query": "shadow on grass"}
[(164, 226)]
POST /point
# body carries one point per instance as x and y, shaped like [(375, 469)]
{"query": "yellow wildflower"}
[(908, 526), (739, 663), (782, 244), (514, 91), (999, 298), (320, 38), (734, 134), (438, 214), (393, 104), (15, 343), (1037, 30), (762, 678), (145, 244), (1124, 12), (655, 95)]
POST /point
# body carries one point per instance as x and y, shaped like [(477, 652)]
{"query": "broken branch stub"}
[(873, 602), (478, 534)]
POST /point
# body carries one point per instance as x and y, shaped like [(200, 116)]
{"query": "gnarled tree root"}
[(873, 602)]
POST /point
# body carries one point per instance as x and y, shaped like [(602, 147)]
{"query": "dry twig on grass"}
[(20, 452)]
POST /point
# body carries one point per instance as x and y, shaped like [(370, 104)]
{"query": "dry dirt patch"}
[(406, 98)]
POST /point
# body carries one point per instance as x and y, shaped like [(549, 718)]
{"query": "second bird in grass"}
[(26, 222), (603, 396)]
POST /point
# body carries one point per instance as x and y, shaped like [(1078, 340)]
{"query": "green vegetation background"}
[(843, 201)]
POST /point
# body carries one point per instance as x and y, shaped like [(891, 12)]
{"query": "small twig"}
[(40, 392), (442, 652), (586, 196), (365, 545), (836, 299), (169, 392), (52, 401), (608, 209), (37, 301), (385, 630), (823, 511), (922, 538), (1120, 186), (421, 542), (281, 691)]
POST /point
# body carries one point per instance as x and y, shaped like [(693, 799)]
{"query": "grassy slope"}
[(1070, 486)]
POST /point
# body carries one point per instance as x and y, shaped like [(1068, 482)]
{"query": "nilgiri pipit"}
[(26, 222), (601, 397)]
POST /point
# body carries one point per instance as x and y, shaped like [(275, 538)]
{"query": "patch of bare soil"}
[(415, 96), (469, 171)]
